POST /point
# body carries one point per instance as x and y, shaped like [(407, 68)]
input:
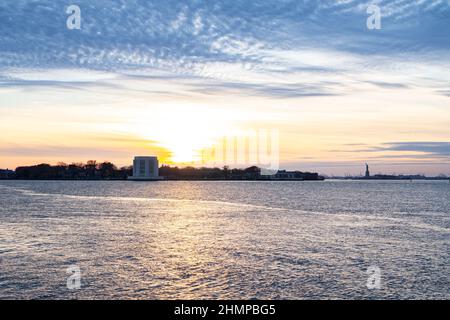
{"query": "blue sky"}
[(294, 65), (155, 33)]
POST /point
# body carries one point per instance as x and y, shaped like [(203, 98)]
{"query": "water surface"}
[(224, 240)]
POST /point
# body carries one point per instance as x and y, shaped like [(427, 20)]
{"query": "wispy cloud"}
[(432, 148), (184, 37)]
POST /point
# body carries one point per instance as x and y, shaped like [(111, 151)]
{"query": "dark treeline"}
[(93, 170), (75, 171), (107, 170), (191, 173)]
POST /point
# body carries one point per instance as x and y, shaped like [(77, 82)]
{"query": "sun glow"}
[(186, 132)]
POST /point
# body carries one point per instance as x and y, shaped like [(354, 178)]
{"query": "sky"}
[(172, 78)]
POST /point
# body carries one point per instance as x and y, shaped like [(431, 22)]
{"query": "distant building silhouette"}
[(295, 175), (145, 168), (6, 174), (367, 175)]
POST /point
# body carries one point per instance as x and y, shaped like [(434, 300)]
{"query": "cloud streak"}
[(428, 149)]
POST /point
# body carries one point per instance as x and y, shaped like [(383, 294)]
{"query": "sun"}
[(186, 132)]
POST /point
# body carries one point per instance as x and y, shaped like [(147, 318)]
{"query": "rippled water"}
[(229, 240)]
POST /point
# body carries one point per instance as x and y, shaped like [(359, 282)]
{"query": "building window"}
[(150, 168), (142, 167)]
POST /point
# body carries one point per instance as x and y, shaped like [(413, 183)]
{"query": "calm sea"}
[(227, 240)]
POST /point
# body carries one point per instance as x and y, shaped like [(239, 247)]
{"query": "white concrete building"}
[(145, 168)]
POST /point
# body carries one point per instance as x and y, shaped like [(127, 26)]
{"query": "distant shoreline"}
[(237, 180), (243, 180), (108, 171), (393, 179)]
